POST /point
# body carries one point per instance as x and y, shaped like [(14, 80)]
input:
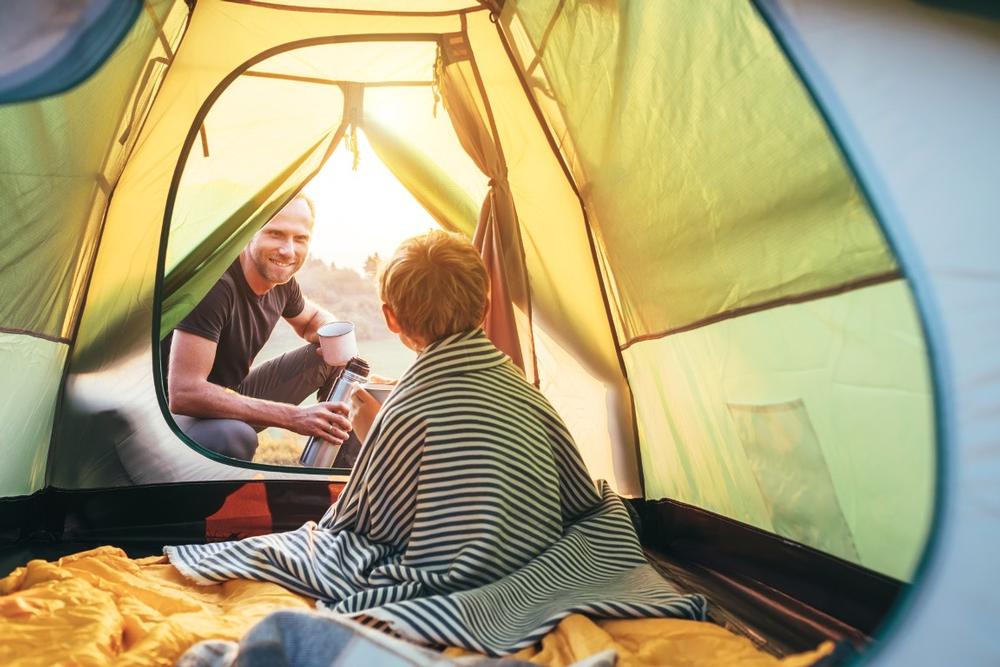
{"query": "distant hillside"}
[(347, 294)]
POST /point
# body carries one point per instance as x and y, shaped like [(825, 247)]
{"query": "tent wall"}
[(801, 429), (35, 366), (776, 358), (745, 200), (920, 126), (61, 159)]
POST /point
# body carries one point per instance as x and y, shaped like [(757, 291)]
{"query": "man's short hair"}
[(437, 285), (309, 202)]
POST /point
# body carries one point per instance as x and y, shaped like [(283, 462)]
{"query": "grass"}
[(279, 447)]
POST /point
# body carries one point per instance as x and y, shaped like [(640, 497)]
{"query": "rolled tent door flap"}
[(440, 195), (497, 235)]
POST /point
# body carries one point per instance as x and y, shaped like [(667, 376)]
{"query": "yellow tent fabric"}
[(100, 607), (204, 119)]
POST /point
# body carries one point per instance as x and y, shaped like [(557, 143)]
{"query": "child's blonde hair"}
[(437, 285)]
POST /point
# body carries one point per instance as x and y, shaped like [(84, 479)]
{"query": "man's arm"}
[(191, 359), (309, 320)]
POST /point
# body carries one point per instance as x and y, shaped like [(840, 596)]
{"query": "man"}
[(214, 396)]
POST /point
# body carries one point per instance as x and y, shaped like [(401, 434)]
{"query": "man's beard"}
[(273, 272)]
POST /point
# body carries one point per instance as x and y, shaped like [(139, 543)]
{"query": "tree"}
[(372, 265)]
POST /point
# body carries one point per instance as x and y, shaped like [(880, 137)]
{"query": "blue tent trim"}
[(69, 64)]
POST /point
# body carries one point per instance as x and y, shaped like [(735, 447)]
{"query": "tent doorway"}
[(419, 105), (417, 175), (362, 213)]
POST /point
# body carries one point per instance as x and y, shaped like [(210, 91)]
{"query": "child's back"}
[(493, 449)]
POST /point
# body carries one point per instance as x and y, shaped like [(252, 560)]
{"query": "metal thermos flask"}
[(320, 453)]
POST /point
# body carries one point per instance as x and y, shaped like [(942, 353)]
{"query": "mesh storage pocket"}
[(792, 473)]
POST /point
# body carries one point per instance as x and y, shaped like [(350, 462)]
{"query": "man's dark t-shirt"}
[(240, 321)]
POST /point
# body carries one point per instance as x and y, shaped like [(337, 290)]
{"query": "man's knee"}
[(229, 437), (290, 378), (238, 440), (318, 371)]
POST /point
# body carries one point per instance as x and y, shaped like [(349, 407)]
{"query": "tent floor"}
[(773, 622), (785, 597)]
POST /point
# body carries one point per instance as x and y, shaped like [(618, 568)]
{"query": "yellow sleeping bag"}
[(100, 607), (645, 642)]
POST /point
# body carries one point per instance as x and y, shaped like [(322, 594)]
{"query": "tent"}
[(747, 248)]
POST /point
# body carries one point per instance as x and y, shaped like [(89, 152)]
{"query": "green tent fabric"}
[(735, 270), (61, 158)]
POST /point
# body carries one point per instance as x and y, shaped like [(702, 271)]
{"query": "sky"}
[(361, 212)]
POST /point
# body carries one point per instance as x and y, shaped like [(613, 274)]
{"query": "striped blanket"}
[(469, 520)]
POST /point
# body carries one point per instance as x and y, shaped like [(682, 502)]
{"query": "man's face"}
[(279, 249)]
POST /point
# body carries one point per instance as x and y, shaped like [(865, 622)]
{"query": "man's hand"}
[(366, 408), (323, 420)]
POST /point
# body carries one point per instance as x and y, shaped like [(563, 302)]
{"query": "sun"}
[(363, 211)]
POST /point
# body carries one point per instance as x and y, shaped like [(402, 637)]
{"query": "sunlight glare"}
[(361, 212)]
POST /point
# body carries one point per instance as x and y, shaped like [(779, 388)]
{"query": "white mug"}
[(337, 342), (378, 391)]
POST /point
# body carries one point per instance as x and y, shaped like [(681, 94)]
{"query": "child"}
[(434, 286), (470, 518)]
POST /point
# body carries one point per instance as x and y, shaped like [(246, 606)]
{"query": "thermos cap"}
[(358, 366)]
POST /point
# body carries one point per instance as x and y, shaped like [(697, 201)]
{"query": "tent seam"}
[(547, 131), (356, 12), (805, 297), (35, 334)]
